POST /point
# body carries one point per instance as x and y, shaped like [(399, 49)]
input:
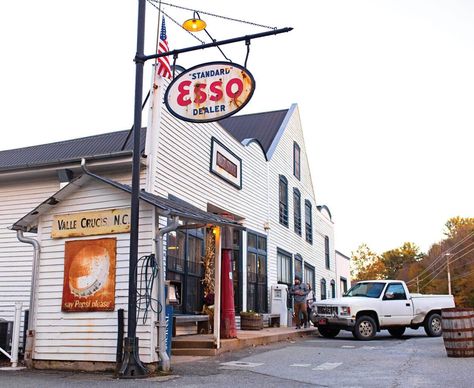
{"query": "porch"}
[(204, 344)]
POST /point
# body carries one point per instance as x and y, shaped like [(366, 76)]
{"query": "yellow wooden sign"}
[(91, 223)]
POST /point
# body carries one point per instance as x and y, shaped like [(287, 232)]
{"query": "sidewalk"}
[(203, 344)]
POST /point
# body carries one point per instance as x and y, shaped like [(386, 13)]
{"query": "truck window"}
[(397, 291), (368, 290)]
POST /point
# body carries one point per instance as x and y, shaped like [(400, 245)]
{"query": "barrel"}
[(458, 331)]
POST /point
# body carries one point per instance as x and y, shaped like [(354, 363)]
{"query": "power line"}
[(441, 256)]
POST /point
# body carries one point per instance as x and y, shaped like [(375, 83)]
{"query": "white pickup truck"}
[(374, 305)]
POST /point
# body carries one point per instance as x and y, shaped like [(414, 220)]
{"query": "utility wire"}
[(441, 256), (217, 16), (444, 265)]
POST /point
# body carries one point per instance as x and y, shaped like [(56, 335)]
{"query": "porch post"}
[(217, 288)]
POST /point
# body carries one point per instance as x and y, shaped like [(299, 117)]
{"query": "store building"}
[(250, 169), (343, 265)]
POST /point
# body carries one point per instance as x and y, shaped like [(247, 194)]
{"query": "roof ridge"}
[(254, 114), (68, 140)]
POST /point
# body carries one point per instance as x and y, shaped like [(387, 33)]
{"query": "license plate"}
[(322, 321)]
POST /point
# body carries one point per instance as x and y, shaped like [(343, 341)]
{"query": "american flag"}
[(163, 66)]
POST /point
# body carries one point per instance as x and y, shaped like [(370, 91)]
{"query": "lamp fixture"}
[(195, 24)]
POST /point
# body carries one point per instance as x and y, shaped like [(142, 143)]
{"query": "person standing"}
[(299, 292), (310, 298)]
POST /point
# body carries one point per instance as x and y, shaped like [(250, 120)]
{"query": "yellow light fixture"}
[(195, 24)]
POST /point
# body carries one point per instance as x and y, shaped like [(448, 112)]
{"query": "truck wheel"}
[(397, 332), (328, 332), (365, 328), (433, 325)]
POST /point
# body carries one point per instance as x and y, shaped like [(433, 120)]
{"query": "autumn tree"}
[(366, 264)]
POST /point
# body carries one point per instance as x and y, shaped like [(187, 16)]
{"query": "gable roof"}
[(91, 147), (166, 207), (263, 127)]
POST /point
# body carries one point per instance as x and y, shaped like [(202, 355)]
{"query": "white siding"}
[(283, 237), (88, 336), (17, 199)]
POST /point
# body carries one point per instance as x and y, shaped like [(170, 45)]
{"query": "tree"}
[(366, 264), (396, 259)]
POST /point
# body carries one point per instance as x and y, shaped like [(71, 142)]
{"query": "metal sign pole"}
[(132, 367)]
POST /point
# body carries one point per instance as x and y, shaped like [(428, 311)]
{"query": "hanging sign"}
[(209, 92)]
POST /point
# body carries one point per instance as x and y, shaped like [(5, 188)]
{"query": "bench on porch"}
[(201, 321)]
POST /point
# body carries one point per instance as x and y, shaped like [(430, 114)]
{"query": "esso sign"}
[(209, 92)]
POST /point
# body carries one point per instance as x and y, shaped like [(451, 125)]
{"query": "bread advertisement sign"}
[(89, 275)]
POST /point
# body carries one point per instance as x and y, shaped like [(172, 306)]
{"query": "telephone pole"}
[(449, 273)]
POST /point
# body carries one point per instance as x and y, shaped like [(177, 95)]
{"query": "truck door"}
[(396, 308)]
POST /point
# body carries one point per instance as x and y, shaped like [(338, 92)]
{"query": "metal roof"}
[(166, 207), (263, 127), (91, 147), (260, 126)]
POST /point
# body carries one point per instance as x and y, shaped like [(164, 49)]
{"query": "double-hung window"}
[(296, 160), (308, 221), (283, 200), (297, 210), (323, 289), (326, 252)]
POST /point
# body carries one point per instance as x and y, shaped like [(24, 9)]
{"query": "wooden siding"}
[(90, 336), (17, 199), (285, 237)]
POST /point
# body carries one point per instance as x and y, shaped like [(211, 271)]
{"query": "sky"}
[(385, 91)]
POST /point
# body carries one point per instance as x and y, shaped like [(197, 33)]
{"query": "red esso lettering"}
[(183, 93), (199, 95), (216, 89), (230, 90), (233, 89)]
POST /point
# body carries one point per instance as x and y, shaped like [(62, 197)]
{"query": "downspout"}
[(165, 360), (28, 357)]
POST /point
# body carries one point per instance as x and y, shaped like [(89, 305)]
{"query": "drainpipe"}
[(165, 360), (34, 275)]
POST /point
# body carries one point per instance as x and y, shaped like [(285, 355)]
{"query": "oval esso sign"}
[(209, 92)]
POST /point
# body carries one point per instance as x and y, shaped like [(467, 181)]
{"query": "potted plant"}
[(250, 320)]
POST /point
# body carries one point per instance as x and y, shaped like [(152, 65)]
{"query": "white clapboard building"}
[(248, 169)]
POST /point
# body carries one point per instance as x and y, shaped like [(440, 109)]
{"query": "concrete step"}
[(192, 344), (193, 352)]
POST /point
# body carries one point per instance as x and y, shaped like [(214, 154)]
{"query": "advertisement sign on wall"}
[(210, 92), (89, 275), (225, 164)]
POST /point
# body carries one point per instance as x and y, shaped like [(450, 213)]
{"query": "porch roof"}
[(166, 207)]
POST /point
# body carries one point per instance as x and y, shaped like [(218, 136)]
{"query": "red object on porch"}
[(228, 329)]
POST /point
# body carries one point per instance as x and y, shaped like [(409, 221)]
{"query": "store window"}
[(308, 221), (184, 264), (296, 160), (327, 256), (323, 289), (343, 285), (256, 272), (299, 267), (284, 268), (333, 289), (309, 275), (283, 199), (297, 210)]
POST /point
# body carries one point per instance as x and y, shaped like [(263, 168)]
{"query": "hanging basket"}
[(251, 321)]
